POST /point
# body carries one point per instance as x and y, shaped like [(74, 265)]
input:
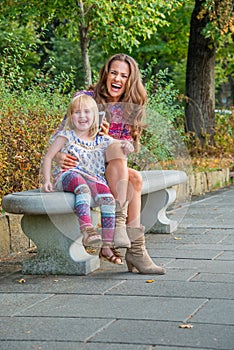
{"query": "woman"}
[(120, 90)]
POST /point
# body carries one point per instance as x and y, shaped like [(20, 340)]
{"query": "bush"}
[(30, 116), (163, 137), (28, 119)]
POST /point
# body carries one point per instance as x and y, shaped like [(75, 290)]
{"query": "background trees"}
[(193, 40), (210, 28), (50, 48)]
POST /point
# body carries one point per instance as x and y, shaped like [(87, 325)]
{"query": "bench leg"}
[(59, 246), (153, 212)]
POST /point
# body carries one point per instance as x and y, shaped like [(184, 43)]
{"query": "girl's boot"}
[(137, 256), (121, 239)]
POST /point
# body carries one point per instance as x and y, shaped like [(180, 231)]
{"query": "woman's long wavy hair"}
[(77, 103), (134, 97)]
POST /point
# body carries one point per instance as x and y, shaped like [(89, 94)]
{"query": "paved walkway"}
[(112, 309)]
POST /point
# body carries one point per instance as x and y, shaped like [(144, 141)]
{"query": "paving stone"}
[(207, 254), (226, 256), (216, 312), (13, 303), (172, 274), (229, 238), (213, 277), (199, 239), (50, 329), (69, 345), (176, 348), (219, 246), (211, 266), (168, 333), (107, 306), (57, 284), (160, 288)]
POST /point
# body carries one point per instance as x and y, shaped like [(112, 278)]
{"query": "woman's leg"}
[(126, 185), (117, 177), (137, 256), (134, 198), (117, 172)]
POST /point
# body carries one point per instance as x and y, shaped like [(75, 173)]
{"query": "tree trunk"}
[(200, 85), (84, 45)]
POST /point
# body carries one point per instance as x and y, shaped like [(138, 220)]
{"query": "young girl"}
[(79, 138)]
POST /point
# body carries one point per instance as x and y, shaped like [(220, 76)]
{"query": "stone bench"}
[(50, 222)]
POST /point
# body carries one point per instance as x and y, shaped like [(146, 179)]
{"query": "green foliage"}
[(162, 138), (28, 118)]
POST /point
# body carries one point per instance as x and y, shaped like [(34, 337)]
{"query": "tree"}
[(115, 25), (118, 24), (211, 22)]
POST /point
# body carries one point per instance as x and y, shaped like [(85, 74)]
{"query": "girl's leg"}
[(103, 197), (74, 182), (106, 201)]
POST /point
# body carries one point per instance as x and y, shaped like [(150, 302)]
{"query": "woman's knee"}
[(115, 152), (135, 179)]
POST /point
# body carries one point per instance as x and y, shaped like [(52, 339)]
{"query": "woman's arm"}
[(54, 148)]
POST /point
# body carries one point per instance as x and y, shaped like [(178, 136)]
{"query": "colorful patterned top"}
[(90, 155)]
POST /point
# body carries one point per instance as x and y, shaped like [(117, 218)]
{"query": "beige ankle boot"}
[(121, 239), (137, 256)]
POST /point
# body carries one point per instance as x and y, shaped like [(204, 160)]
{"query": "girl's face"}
[(82, 118), (116, 79)]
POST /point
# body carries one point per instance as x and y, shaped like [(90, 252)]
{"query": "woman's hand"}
[(127, 147), (105, 126), (65, 161)]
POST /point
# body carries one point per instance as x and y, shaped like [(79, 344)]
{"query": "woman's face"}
[(116, 79)]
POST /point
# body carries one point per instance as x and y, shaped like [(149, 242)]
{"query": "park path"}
[(191, 307)]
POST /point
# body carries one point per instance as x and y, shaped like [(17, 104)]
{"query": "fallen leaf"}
[(21, 280), (177, 238), (149, 281), (186, 325)]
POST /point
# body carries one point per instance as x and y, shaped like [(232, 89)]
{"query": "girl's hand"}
[(65, 161), (48, 187), (105, 126), (127, 147)]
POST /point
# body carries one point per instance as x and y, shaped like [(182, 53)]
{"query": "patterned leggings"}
[(84, 188)]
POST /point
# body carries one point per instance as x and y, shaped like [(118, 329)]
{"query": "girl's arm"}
[(54, 148)]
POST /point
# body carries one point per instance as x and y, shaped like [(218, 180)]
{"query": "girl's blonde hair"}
[(77, 103)]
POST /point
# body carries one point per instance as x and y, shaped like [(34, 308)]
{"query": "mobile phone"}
[(101, 117)]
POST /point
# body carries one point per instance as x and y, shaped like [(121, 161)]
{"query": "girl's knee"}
[(106, 200)]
